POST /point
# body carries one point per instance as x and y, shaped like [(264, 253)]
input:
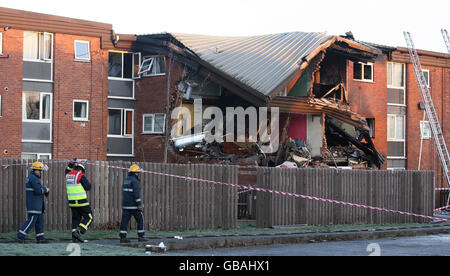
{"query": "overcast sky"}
[(377, 21)]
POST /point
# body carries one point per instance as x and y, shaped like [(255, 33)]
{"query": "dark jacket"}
[(34, 194), (131, 192)]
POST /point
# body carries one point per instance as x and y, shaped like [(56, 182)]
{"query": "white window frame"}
[(87, 111), (39, 51), (427, 78), (149, 67), (395, 127), (38, 155), (40, 120), (123, 112), (153, 125), (132, 73), (1, 43), (422, 129), (398, 87), (0, 106), (362, 72), (147, 72), (89, 50)]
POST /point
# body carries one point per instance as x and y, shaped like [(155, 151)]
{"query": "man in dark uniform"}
[(35, 204), (132, 205), (77, 184)]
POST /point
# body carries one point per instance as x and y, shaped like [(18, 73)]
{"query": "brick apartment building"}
[(71, 87)]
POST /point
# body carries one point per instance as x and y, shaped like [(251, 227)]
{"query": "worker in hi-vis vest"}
[(35, 204), (132, 205), (77, 185)]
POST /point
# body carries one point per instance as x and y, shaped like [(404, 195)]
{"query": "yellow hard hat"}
[(37, 166), (134, 168)]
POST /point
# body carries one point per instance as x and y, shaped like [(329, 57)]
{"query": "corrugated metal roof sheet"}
[(260, 62)]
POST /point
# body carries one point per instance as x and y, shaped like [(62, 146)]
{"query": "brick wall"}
[(369, 99), (151, 97), (11, 77), (79, 80)]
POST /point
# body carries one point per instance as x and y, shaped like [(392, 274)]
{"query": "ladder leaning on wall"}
[(433, 119)]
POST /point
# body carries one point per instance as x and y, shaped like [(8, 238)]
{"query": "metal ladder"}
[(446, 39), (429, 108)]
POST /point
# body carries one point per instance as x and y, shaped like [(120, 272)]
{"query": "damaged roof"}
[(260, 62), (263, 63)]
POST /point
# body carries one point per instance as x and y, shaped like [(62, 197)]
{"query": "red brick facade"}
[(79, 80), (11, 94), (151, 97)]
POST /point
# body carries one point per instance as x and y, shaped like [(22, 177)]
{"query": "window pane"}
[(47, 50), (115, 121), (146, 65), (357, 71), (159, 123), (427, 77), (30, 45), (129, 122), (399, 128), (148, 123), (32, 105), (115, 65), (44, 156), (398, 75), (29, 156), (391, 127), (389, 73), (80, 110), (159, 66), (46, 107), (367, 72), (128, 66), (81, 50)]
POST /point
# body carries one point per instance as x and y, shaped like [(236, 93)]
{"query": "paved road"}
[(434, 245)]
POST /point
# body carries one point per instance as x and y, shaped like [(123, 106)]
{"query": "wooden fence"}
[(411, 191), (177, 204), (169, 203)]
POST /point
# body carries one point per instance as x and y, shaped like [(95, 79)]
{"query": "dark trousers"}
[(126, 217), (36, 220), (81, 218)]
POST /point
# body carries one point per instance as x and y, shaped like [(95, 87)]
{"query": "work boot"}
[(142, 239), (77, 236), (42, 241), (124, 240), (20, 240)]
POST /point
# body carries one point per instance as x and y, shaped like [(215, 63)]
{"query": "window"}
[(363, 71), (396, 127), (395, 74), (425, 130), (153, 66), (153, 123), (1, 43), (120, 65), (426, 75), (82, 51), (371, 125), (120, 122), (37, 106), (80, 110), (36, 156), (37, 46)]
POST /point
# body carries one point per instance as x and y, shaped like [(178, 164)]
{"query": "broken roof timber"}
[(303, 105)]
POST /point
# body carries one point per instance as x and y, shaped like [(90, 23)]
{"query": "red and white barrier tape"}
[(442, 208), (249, 188), (442, 189)]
